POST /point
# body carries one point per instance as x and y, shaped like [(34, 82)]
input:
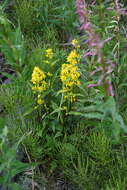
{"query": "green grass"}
[(82, 142)]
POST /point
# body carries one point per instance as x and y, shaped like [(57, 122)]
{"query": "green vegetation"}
[(63, 94)]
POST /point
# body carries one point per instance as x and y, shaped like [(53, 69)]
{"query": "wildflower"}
[(69, 75), (43, 86), (37, 76), (72, 57), (75, 43), (49, 53), (49, 74), (95, 45), (38, 79), (70, 78), (40, 101), (70, 96), (65, 108)]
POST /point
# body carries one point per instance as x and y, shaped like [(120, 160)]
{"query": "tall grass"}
[(65, 108)]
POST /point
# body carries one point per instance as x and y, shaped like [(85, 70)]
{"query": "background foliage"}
[(81, 142)]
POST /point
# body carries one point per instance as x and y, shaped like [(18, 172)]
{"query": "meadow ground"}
[(63, 95)]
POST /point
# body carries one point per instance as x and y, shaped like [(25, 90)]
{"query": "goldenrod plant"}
[(63, 95)]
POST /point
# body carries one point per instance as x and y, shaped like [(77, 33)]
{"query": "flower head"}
[(37, 75), (69, 76), (49, 53), (38, 79), (75, 43), (73, 57), (40, 101), (49, 74)]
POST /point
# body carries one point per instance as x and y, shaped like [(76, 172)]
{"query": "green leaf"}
[(58, 134), (29, 111), (17, 167), (119, 118), (57, 111), (14, 186), (92, 115), (2, 122)]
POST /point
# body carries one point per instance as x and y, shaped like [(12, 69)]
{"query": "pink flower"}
[(110, 88), (95, 45)]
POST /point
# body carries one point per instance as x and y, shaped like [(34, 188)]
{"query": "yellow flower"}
[(37, 75), (69, 75), (73, 57), (70, 96), (65, 108), (75, 43), (70, 78), (40, 101), (38, 79), (49, 53), (49, 74)]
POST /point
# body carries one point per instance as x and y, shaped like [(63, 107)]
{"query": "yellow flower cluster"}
[(40, 100), (70, 78), (39, 83), (70, 96), (75, 43), (49, 56), (69, 75), (73, 57), (49, 53), (49, 74), (37, 76)]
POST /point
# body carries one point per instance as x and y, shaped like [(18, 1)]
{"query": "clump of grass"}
[(69, 129), (45, 18)]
